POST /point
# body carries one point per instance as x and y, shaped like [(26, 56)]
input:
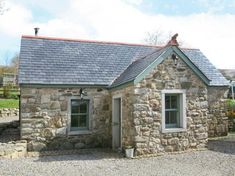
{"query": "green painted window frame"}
[(181, 108), (172, 110), (80, 102)]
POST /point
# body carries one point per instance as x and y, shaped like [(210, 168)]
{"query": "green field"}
[(9, 103)]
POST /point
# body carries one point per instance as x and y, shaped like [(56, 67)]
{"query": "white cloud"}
[(134, 2), (119, 20), (16, 19)]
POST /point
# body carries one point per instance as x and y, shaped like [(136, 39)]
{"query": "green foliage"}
[(9, 92), (14, 96), (9, 103), (6, 91), (230, 108), (230, 104)]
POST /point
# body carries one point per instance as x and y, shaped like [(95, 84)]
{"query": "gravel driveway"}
[(110, 164)]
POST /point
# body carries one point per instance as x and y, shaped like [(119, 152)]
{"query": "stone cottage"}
[(85, 94)]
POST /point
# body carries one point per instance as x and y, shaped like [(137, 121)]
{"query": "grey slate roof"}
[(137, 67), (48, 61), (198, 58)]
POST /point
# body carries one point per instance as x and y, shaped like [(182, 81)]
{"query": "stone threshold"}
[(169, 153), (72, 152)]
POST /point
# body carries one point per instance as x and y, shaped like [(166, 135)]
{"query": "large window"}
[(79, 115), (173, 110)]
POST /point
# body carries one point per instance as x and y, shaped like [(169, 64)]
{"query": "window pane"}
[(74, 106), (82, 121), (173, 117), (83, 107), (167, 102), (167, 114), (75, 102), (74, 120), (75, 109), (174, 102), (78, 106)]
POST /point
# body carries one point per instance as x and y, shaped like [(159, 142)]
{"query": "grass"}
[(12, 91), (9, 103)]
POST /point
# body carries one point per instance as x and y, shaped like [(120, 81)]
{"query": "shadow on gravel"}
[(84, 155), (9, 131), (223, 145)]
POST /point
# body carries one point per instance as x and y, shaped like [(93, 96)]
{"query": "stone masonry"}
[(44, 119), (148, 116), (128, 130), (217, 119), (9, 112), (45, 114)]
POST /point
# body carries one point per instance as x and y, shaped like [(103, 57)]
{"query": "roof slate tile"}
[(51, 61)]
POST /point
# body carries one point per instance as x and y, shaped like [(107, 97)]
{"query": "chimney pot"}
[(173, 41), (36, 29)]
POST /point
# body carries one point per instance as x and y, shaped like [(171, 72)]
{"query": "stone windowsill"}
[(79, 132), (174, 130)]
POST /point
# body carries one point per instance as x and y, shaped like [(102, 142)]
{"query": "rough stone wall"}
[(148, 116), (44, 118), (9, 112), (128, 132), (217, 120)]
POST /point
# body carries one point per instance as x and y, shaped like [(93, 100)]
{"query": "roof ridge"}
[(97, 41), (89, 41)]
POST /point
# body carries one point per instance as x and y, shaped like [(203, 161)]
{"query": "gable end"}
[(172, 50)]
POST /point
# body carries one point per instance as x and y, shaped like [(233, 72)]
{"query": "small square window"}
[(79, 115)]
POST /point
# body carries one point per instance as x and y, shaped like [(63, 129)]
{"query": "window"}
[(79, 115), (173, 110)]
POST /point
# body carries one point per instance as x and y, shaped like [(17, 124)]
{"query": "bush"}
[(6, 91), (230, 104), (230, 108), (14, 96)]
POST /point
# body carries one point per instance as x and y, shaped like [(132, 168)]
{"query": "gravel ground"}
[(218, 161), (8, 119), (12, 132), (105, 163)]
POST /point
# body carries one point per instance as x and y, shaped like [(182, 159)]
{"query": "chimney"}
[(173, 41), (36, 29)]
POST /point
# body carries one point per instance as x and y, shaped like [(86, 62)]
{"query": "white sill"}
[(173, 130), (79, 132)]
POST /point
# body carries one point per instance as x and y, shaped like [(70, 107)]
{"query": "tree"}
[(15, 63), (160, 38), (155, 38), (2, 7), (10, 65), (1, 4)]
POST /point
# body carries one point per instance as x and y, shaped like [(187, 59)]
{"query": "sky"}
[(208, 25)]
